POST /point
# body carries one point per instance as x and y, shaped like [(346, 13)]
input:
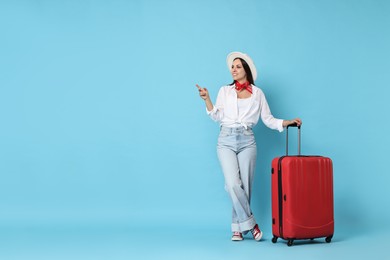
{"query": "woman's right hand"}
[(203, 92)]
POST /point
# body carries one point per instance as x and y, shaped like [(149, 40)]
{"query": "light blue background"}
[(101, 123)]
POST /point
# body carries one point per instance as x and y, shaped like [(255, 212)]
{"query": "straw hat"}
[(233, 55)]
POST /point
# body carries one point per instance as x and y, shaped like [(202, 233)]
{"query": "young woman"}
[(238, 109)]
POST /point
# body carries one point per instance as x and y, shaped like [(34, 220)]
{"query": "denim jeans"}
[(237, 155)]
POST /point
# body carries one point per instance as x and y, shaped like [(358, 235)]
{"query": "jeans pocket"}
[(248, 132), (224, 133)]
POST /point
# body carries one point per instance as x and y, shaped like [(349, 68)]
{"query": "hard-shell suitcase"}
[(302, 196)]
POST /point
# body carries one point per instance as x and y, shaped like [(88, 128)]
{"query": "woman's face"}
[(238, 72)]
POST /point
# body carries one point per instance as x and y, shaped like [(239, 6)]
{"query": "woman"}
[(238, 109)]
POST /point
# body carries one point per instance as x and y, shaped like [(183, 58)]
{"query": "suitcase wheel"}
[(274, 239), (328, 239), (290, 242)]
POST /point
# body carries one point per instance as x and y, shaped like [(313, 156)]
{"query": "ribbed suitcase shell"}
[(302, 198)]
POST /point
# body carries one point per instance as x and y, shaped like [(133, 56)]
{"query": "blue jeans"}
[(237, 155)]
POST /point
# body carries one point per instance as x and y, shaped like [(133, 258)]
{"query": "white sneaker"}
[(237, 236), (256, 232)]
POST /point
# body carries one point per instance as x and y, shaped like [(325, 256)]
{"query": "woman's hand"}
[(203, 92), (297, 121)]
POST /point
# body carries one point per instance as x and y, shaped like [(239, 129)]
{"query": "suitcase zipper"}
[(280, 196)]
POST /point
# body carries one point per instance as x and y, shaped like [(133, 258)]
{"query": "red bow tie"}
[(245, 85)]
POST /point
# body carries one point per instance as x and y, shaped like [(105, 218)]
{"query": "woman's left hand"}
[(297, 121)]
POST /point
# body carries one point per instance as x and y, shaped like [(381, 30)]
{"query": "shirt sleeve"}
[(216, 113), (266, 116)]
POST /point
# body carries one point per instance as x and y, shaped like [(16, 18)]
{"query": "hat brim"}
[(234, 55)]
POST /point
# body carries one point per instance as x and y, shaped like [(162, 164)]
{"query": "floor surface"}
[(108, 242)]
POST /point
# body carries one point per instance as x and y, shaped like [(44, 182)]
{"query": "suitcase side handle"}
[(299, 137)]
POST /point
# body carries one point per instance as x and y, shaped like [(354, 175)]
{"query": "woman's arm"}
[(204, 94)]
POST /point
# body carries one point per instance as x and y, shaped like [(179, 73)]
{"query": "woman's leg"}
[(230, 163), (247, 162)]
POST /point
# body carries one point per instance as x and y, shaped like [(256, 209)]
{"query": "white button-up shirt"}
[(225, 110)]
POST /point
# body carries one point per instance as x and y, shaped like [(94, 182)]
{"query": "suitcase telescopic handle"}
[(299, 138)]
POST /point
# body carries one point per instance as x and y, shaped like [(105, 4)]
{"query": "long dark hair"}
[(248, 71)]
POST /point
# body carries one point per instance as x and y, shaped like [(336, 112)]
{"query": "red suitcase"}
[(302, 196)]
